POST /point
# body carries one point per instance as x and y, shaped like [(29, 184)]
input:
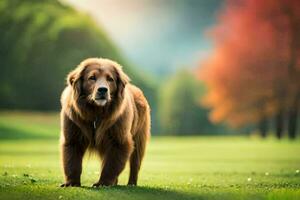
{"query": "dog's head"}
[(98, 81)]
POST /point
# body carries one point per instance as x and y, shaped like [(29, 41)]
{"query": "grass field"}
[(174, 167)]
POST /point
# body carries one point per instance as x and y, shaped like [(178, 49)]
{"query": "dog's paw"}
[(103, 184), (132, 184), (95, 185), (70, 185)]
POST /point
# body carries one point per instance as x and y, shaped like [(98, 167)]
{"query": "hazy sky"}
[(157, 36)]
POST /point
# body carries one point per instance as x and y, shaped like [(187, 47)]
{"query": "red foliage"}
[(255, 62)]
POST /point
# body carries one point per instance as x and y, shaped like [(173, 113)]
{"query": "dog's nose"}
[(102, 90)]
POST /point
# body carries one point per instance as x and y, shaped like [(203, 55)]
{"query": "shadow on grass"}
[(143, 192), (107, 193)]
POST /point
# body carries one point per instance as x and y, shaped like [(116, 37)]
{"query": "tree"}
[(41, 41), (252, 73), (179, 109)]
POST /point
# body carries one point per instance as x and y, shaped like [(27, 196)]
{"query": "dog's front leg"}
[(72, 164), (114, 161), (72, 149)]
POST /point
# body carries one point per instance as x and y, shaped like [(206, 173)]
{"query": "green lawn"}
[(174, 167)]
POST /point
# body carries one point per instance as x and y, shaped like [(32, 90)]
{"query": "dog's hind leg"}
[(140, 141)]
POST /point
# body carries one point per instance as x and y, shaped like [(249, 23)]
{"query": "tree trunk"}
[(263, 127), (279, 123), (293, 118)]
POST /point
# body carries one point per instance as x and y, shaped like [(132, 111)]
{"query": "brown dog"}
[(103, 112)]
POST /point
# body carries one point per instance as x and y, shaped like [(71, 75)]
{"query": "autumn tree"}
[(254, 71)]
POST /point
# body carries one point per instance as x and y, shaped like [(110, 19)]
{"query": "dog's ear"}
[(74, 79), (122, 80), (71, 77)]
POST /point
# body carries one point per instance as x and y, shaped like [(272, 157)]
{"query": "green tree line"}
[(41, 41), (179, 108)]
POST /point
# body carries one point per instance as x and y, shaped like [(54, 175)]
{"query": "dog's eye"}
[(92, 78), (110, 79)]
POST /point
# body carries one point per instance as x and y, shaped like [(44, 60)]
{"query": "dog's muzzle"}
[(101, 97)]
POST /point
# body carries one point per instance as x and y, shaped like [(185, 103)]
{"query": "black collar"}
[(95, 123)]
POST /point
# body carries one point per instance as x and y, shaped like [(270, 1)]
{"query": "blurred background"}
[(207, 67)]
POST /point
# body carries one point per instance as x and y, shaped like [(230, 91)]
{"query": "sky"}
[(157, 36)]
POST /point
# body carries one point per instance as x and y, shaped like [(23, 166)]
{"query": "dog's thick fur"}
[(117, 131)]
